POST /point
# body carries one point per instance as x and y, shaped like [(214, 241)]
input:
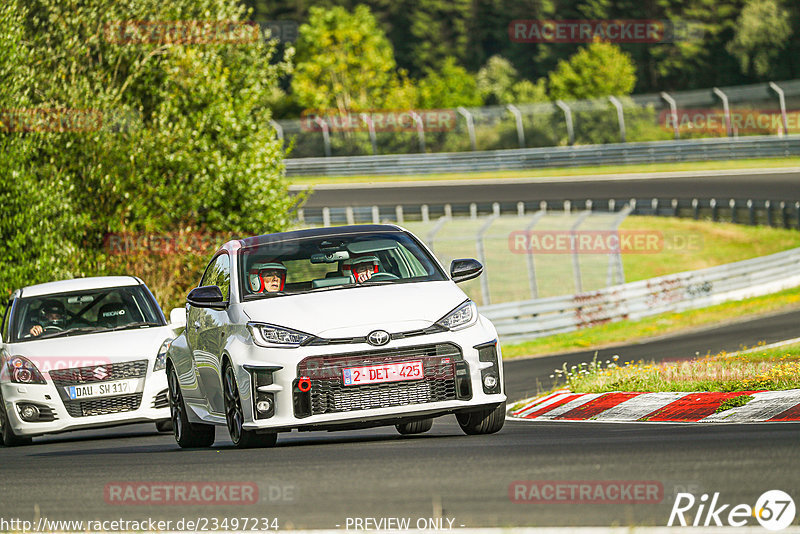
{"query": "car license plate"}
[(390, 372), (103, 389)]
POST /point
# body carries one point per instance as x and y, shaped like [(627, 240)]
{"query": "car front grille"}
[(328, 393), (99, 373), (104, 405)]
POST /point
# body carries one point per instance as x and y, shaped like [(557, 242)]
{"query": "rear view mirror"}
[(465, 269), (206, 297), (177, 317)]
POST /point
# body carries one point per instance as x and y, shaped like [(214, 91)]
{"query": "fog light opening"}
[(28, 412), (490, 381), (264, 406)]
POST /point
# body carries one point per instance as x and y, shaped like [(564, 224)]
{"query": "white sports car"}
[(332, 329), (82, 353)]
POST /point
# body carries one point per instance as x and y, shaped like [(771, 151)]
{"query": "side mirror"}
[(177, 318), (205, 297), (465, 269)]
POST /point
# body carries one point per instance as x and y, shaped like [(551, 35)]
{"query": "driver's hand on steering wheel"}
[(36, 330)]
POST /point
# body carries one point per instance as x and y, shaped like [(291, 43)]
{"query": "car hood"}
[(356, 311), (93, 349)]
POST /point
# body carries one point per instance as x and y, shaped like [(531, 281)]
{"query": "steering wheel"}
[(384, 276), (53, 328)]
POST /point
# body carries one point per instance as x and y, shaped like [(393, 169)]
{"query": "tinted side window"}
[(218, 273)]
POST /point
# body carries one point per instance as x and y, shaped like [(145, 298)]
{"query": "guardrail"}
[(531, 158), (783, 214), (519, 321)]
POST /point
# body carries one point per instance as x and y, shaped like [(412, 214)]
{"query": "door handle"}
[(197, 325)]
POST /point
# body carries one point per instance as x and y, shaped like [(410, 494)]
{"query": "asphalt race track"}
[(319, 480), (774, 185)]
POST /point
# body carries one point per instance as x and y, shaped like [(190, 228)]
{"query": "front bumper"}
[(455, 366), (62, 416)]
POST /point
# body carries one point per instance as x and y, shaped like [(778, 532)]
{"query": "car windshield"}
[(319, 263), (84, 312)]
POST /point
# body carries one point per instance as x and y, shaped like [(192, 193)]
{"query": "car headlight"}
[(270, 335), (161, 357), (463, 316), (22, 371)]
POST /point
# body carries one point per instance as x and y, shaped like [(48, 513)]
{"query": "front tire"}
[(10, 439), (188, 435), (415, 427), (485, 421), (234, 415)]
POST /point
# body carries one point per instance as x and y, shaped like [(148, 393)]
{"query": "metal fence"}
[(530, 158), (512, 270), (518, 321), (778, 213), (759, 109)]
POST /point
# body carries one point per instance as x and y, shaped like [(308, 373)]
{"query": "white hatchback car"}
[(82, 353), (332, 329)]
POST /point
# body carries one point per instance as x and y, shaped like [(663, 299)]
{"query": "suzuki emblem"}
[(100, 373)]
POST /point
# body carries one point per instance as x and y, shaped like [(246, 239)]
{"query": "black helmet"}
[(51, 313)]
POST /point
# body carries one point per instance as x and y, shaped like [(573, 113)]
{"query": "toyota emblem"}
[(378, 337)]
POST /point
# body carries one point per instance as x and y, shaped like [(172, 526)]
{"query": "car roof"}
[(319, 232), (79, 284)]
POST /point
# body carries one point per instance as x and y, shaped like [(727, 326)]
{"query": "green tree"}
[(426, 33), (600, 69), (449, 87), (193, 147), (499, 83), (345, 62), (37, 228), (762, 31)]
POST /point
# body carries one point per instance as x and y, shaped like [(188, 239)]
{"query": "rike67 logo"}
[(774, 510)]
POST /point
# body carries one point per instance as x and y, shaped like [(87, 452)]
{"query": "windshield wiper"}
[(72, 331), (132, 325)]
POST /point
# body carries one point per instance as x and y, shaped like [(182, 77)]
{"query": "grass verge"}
[(629, 331), (688, 245), (761, 369), (763, 163)]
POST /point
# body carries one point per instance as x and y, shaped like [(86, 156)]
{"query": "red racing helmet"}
[(347, 266), (257, 272)]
